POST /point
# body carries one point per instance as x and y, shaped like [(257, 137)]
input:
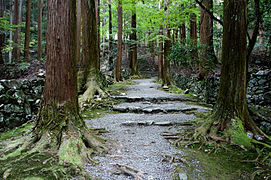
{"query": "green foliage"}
[(181, 53)]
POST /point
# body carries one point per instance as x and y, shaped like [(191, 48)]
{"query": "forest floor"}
[(139, 138)]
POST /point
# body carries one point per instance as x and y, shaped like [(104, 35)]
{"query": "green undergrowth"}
[(224, 165), (118, 88), (15, 132), (37, 166), (242, 158)]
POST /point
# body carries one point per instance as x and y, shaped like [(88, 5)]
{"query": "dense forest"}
[(126, 89)]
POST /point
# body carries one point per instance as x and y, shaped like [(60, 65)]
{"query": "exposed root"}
[(127, 170)]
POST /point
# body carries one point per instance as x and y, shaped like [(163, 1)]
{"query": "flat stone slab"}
[(164, 107)]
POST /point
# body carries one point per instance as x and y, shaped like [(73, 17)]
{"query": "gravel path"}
[(140, 147)]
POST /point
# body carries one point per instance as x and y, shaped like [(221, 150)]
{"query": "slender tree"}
[(133, 38), (17, 32), (98, 20), (88, 82), (231, 117), (160, 50), (27, 29), (193, 35), (78, 27), (119, 51), (40, 6), (2, 34), (207, 54), (182, 33), (110, 39)]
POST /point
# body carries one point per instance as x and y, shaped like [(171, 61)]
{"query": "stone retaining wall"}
[(19, 101), (258, 92)]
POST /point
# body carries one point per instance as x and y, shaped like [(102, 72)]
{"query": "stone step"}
[(163, 107), (153, 99)]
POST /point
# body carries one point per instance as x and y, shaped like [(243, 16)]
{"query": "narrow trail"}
[(135, 134)]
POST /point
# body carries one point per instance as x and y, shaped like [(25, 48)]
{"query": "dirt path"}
[(134, 134)]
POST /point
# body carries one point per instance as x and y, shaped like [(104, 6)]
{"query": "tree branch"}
[(209, 12)]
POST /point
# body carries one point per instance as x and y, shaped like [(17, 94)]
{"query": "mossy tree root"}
[(61, 133), (229, 128)]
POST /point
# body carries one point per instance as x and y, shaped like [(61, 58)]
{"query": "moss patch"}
[(223, 165), (16, 131)]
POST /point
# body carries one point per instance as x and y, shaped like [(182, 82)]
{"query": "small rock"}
[(129, 123), (182, 176), (259, 138), (166, 88), (165, 123), (123, 94), (250, 135), (186, 91)]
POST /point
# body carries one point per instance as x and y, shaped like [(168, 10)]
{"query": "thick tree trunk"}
[(110, 39), (40, 6), (2, 34), (60, 91), (207, 54), (119, 51), (134, 65), (89, 66), (231, 115), (78, 28), (27, 29), (98, 29)]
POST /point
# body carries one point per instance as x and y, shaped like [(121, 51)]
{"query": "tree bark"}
[(98, 29), (27, 29), (17, 32), (134, 65), (10, 32), (207, 54), (119, 51), (2, 34), (182, 33), (40, 6), (78, 28), (110, 39)]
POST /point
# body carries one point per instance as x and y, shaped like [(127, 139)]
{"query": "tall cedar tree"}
[(27, 29), (110, 39), (40, 6), (119, 51), (59, 126), (133, 38), (88, 77), (231, 117), (2, 34), (207, 54)]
